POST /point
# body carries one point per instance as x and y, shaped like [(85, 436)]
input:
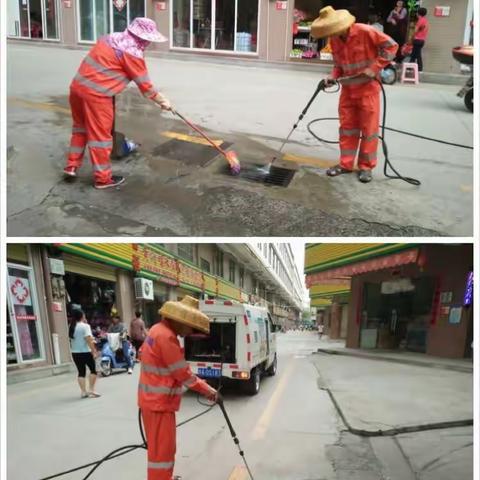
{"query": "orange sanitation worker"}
[(164, 374), (359, 52), (113, 62)]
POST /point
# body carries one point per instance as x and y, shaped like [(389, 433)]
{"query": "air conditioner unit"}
[(143, 289)]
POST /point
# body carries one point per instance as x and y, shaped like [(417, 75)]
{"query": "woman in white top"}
[(84, 352)]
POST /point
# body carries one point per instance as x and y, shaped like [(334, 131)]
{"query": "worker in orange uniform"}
[(359, 52), (164, 373), (110, 65)]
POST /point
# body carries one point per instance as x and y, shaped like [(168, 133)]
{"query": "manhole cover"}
[(188, 152)]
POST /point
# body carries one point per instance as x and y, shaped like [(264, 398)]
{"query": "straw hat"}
[(186, 311), (331, 22), (146, 29)]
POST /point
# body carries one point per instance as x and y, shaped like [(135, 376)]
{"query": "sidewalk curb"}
[(395, 431), (406, 361), (219, 59)]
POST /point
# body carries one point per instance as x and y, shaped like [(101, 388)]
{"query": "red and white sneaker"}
[(115, 181), (70, 172)]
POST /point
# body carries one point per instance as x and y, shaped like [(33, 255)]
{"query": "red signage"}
[(161, 6), (26, 317), (281, 5)]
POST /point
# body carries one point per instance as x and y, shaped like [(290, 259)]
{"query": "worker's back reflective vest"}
[(365, 47), (164, 371), (106, 72)]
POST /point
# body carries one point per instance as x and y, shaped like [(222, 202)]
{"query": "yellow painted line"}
[(316, 162), (39, 105), (238, 473), (190, 138), (264, 421)]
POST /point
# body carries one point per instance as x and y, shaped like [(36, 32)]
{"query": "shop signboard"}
[(468, 295), (20, 293), (145, 258), (190, 276)]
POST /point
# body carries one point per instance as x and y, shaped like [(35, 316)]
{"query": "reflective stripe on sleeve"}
[(190, 381), (142, 79), (388, 43)]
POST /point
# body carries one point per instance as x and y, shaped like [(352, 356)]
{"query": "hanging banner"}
[(119, 4), (19, 289)]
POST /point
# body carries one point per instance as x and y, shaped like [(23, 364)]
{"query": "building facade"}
[(267, 30), (46, 282), (395, 296)]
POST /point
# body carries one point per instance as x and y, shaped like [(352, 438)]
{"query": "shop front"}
[(33, 19), (24, 340), (415, 298), (100, 17), (215, 25)]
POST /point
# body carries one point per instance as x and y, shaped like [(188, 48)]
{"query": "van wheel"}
[(272, 369), (253, 385)]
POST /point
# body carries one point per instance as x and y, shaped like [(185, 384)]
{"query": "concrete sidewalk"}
[(407, 358), (381, 395)]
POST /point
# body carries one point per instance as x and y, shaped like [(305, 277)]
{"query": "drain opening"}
[(275, 175)]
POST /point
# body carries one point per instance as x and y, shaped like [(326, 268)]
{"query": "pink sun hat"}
[(146, 29)]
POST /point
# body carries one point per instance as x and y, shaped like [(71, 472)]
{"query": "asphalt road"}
[(177, 186), (289, 431)]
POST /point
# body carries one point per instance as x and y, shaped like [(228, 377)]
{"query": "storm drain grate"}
[(188, 152), (280, 176)]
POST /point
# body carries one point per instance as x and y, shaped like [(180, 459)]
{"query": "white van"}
[(241, 345)]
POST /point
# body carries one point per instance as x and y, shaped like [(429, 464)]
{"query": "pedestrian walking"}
[(119, 327), (359, 52), (108, 68), (419, 37), (138, 332), (320, 330), (164, 372), (84, 352)]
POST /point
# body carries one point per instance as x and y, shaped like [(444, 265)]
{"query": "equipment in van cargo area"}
[(219, 346)]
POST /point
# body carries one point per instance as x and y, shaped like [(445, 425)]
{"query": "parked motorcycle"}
[(464, 55), (111, 357)]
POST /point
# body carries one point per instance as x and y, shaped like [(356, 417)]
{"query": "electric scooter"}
[(464, 55), (111, 357)]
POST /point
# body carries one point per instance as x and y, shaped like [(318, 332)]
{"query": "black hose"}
[(130, 448), (388, 163)]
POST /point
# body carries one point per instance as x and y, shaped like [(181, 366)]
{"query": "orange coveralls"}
[(103, 74), (359, 108), (164, 373)]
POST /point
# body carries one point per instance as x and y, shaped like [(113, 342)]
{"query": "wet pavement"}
[(177, 186)]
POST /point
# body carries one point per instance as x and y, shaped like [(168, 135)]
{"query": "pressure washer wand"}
[(321, 86), (234, 435)]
